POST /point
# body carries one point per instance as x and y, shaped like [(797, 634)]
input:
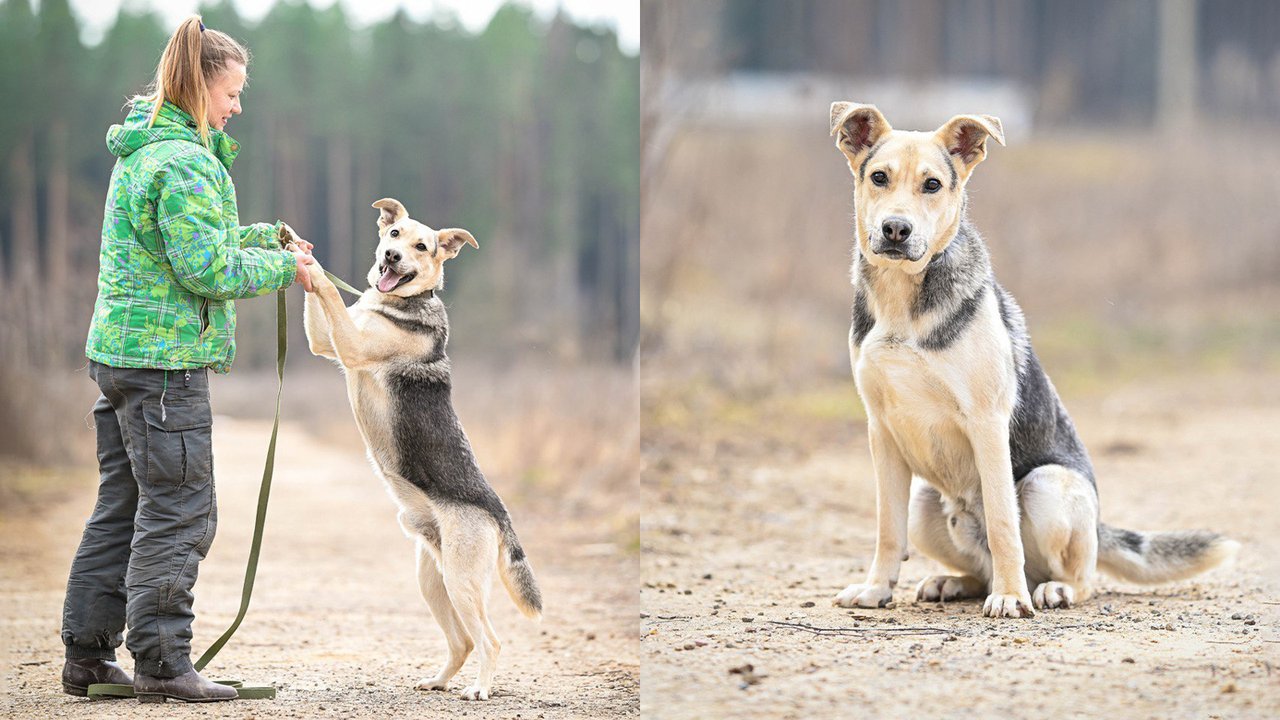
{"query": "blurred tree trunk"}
[(25, 239), (291, 170), (56, 266), (1176, 104), (339, 205), (22, 199), (368, 178), (920, 51)]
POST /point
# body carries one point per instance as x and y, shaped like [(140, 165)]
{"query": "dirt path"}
[(337, 624), (744, 541)]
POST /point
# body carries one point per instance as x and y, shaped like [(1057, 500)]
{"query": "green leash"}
[(100, 691), (264, 493), (339, 282)]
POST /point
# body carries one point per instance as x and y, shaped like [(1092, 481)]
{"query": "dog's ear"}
[(857, 128), (965, 137), (391, 213), (452, 239)]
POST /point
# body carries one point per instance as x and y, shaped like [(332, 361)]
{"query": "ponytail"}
[(193, 57)]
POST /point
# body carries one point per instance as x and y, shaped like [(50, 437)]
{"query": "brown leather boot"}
[(79, 673), (188, 687)]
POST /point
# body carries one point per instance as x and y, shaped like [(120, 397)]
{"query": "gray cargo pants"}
[(153, 523)]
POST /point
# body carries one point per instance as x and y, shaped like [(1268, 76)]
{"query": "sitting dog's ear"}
[(452, 239), (857, 128), (392, 212), (965, 138)]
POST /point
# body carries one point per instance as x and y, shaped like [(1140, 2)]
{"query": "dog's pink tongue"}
[(388, 281)]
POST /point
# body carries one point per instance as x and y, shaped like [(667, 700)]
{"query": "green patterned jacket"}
[(174, 255)]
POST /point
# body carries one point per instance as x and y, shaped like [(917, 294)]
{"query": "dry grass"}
[(560, 439), (1131, 254), (44, 412)]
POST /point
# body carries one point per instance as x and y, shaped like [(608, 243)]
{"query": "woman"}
[(173, 259)]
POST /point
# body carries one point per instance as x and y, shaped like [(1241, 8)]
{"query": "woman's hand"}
[(303, 259)]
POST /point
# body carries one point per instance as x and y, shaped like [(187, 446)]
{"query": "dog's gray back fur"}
[(954, 285), (432, 450)]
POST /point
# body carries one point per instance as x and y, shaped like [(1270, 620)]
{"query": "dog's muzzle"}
[(910, 250)]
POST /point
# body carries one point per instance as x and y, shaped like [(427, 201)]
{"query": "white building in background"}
[(775, 99)]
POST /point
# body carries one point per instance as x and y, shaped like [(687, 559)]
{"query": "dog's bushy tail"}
[(1157, 557), (517, 575)]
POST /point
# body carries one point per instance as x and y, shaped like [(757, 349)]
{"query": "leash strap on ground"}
[(264, 493), (111, 691)]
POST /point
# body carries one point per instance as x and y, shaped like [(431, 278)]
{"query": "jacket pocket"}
[(179, 442)]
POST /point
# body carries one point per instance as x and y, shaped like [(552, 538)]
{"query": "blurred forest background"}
[(1132, 214), (525, 133)]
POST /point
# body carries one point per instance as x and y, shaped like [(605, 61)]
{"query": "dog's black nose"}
[(896, 229), (393, 256)]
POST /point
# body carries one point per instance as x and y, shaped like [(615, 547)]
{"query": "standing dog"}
[(391, 346), (955, 395)]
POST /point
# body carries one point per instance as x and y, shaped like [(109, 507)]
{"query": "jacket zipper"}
[(204, 315)]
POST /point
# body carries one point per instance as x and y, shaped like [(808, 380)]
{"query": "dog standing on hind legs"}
[(955, 396), (391, 347)]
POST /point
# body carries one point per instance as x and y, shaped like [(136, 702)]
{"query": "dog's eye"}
[(880, 178), (421, 246), (932, 185), (395, 233)]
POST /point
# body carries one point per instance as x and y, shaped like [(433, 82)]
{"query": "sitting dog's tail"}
[(1157, 557), (516, 574)]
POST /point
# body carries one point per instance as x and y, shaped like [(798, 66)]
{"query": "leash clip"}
[(186, 378)]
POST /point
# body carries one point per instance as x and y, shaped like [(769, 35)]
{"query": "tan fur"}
[(941, 410), (943, 416), (457, 546)]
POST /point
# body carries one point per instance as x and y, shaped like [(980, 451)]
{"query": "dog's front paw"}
[(432, 684), (944, 588), (317, 273), (475, 692), (1010, 606), (865, 596), (1053, 595)]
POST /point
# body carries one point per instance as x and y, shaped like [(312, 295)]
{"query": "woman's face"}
[(224, 95)]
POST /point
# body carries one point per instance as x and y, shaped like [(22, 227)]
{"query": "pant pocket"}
[(179, 442)]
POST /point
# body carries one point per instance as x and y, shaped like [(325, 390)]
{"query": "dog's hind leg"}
[(470, 558), (1060, 534), (437, 597), (933, 532)]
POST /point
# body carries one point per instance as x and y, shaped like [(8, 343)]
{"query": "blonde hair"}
[(194, 56)]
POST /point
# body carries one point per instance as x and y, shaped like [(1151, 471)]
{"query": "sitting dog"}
[(391, 346), (955, 396)]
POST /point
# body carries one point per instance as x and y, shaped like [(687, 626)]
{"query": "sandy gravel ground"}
[(746, 540), (337, 624)]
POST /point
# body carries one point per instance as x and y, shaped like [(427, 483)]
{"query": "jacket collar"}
[(172, 123)]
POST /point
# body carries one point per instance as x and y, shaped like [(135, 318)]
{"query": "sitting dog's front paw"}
[(432, 684), (1010, 606), (475, 692), (944, 588), (1053, 595), (865, 596)]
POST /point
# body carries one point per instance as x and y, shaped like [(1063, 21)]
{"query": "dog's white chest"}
[(921, 403), (372, 405)]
